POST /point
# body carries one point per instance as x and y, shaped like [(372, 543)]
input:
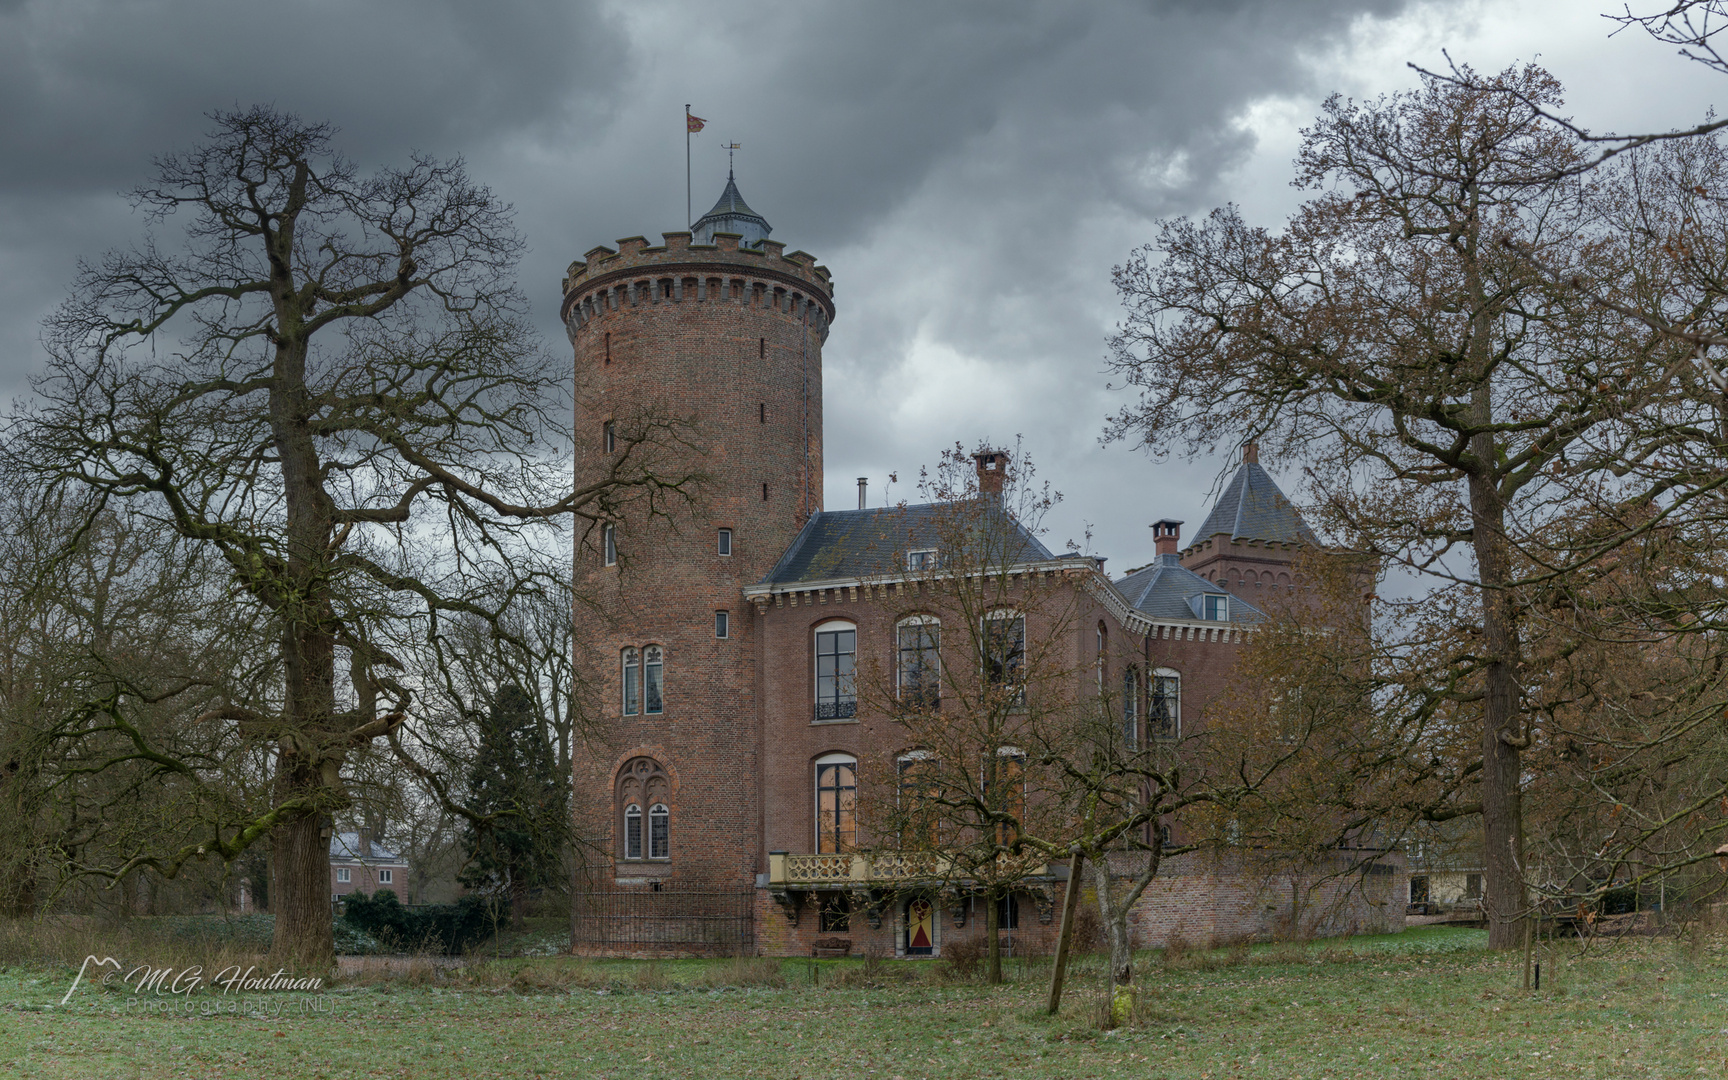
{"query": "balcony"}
[(880, 868)]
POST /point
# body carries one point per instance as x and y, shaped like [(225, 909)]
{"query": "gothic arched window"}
[(644, 799)]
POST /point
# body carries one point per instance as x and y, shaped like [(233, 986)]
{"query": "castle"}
[(715, 804)]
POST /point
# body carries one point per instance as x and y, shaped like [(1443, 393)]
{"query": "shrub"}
[(445, 928)]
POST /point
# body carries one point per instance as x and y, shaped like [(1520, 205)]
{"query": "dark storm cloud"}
[(969, 171)]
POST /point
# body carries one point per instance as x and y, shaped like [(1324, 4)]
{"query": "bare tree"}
[(327, 382), (1452, 399)]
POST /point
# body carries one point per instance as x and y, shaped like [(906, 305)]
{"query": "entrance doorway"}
[(920, 927)]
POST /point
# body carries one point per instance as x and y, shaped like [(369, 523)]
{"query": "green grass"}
[(1430, 1003)]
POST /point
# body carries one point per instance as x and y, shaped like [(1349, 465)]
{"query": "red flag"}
[(693, 124)]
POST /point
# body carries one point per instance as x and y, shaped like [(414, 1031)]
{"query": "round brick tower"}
[(728, 335)]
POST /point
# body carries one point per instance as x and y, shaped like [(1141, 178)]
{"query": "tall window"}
[(920, 646), (836, 668), (609, 436), (724, 545), (917, 769), (609, 543), (659, 832), (632, 831), (632, 673), (1103, 650), (722, 624), (1004, 647), (1131, 707), (836, 803), (1005, 788), (1164, 714), (643, 783), (653, 680)]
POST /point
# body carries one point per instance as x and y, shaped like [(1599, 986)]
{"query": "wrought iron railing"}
[(836, 710), (720, 922)]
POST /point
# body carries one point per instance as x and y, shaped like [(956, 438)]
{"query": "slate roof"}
[(842, 544), (1253, 508), (1163, 589), (731, 214), (345, 847)]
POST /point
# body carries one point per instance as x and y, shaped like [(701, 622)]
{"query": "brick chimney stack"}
[(992, 471), (1168, 535), (1251, 452)]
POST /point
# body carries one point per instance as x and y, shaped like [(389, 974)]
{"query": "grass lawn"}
[(1430, 1003)]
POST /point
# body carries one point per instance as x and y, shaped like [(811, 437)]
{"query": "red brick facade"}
[(731, 339)]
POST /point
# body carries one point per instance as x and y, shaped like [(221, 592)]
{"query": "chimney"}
[(1168, 535), (364, 843), (1251, 452), (992, 471), (863, 483)]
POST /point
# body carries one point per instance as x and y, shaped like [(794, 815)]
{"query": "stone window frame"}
[(642, 794), (843, 706), (1157, 693), (845, 810), (926, 696)]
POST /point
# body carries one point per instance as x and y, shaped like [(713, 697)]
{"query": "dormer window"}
[(921, 560), (1210, 607)]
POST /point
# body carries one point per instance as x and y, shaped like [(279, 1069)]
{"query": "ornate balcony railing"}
[(882, 867)]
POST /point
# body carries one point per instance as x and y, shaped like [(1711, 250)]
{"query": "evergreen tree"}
[(520, 802)]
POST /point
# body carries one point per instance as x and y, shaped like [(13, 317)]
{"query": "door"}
[(920, 927)]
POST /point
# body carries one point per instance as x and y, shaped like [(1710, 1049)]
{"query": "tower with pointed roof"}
[(1250, 540), (731, 214)]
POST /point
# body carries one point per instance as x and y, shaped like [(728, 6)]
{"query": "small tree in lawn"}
[(988, 654), (518, 802)]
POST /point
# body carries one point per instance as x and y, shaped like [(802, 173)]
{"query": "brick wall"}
[(731, 341)]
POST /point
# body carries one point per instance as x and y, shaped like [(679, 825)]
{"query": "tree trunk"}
[(1115, 918), (1502, 853), (301, 868), (993, 930)]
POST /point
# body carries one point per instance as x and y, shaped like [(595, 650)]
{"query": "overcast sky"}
[(969, 172)]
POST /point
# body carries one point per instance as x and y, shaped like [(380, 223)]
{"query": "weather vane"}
[(731, 146)]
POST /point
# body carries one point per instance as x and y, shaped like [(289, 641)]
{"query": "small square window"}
[(609, 542), (342, 874), (1216, 609), (385, 877), (722, 624), (725, 541)]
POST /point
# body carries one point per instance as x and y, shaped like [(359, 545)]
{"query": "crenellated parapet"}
[(677, 271)]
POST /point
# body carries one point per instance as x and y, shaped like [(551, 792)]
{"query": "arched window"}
[(631, 665), (643, 783), (609, 543), (836, 803), (1005, 789), (609, 433), (1131, 707), (1164, 714), (1004, 647), (653, 680), (919, 641), (659, 831), (632, 831), (917, 797), (836, 668)]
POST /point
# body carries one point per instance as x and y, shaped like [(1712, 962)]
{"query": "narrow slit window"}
[(608, 346), (609, 436), (764, 491), (762, 348), (725, 542), (761, 412), (609, 543), (722, 624)]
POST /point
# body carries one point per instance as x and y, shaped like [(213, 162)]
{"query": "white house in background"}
[(359, 863)]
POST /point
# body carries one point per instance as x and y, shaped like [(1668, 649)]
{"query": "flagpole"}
[(688, 210)]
